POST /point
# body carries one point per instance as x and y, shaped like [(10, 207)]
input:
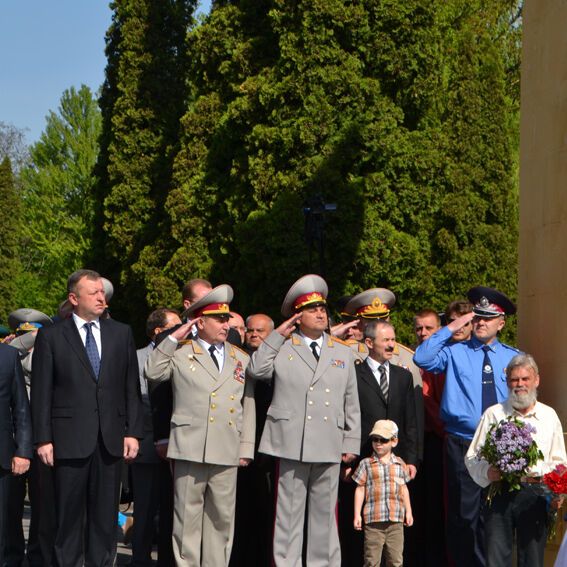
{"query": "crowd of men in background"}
[(241, 437)]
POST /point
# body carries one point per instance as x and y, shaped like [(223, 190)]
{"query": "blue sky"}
[(47, 46)]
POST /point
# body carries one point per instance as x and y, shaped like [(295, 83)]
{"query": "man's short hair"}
[(75, 277), (158, 318), (373, 325), (270, 320), (187, 291), (427, 313), (459, 307), (521, 360)]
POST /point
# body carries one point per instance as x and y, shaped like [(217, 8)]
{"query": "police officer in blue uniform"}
[(475, 379)]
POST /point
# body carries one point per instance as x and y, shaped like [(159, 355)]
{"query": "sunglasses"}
[(380, 440)]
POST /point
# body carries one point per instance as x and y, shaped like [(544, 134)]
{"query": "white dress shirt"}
[(83, 331), (308, 342), (219, 351), (548, 436), (375, 365)]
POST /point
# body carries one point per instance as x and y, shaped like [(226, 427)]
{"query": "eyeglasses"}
[(380, 440)]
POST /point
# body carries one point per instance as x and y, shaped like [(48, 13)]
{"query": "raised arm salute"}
[(313, 422)]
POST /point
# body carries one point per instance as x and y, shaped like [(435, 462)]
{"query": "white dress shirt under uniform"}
[(83, 331), (548, 436)]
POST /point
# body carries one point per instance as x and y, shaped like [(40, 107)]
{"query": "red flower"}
[(556, 480)]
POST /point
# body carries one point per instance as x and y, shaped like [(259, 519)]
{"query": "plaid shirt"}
[(382, 481)]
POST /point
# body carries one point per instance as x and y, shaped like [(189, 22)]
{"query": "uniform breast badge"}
[(239, 373), (338, 363)]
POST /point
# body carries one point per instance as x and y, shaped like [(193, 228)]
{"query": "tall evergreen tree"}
[(142, 101), (403, 114), (57, 195), (9, 240)]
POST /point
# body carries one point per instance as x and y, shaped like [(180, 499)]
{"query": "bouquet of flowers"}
[(510, 447)]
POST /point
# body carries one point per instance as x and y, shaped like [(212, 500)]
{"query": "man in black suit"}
[(16, 435), (87, 416), (385, 391)]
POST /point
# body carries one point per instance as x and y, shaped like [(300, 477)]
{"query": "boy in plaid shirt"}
[(381, 481)]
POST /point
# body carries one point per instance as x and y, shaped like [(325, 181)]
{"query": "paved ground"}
[(124, 551)]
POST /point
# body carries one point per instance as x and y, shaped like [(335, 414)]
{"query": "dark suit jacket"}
[(69, 406), (15, 420), (400, 408)]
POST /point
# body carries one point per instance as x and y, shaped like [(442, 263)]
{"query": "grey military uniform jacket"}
[(214, 418), (315, 414)]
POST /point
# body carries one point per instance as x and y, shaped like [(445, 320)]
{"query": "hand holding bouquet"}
[(510, 448)]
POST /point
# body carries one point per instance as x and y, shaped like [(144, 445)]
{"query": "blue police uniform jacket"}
[(461, 405)]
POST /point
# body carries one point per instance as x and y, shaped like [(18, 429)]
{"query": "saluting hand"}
[(181, 332), (340, 329), (460, 322), (287, 327)]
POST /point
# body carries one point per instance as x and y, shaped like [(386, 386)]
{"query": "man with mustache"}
[(385, 391), (522, 511)]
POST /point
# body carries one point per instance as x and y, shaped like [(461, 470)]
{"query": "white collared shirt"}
[(219, 351), (548, 437), (308, 342), (375, 365), (80, 323)]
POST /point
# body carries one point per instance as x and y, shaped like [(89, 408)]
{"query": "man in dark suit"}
[(385, 391), (15, 436), (151, 474), (87, 415)]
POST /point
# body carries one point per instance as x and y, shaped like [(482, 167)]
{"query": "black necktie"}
[(313, 346), (383, 381), (92, 350), (212, 350), (488, 386)]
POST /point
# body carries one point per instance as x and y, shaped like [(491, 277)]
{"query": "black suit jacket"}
[(16, 427), (70, 407), (400, 408)]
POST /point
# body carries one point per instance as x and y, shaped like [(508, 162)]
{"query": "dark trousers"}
[(86, 497), (522, 512), (254, 518), (465, 525), (38, 482), (4, 488), (153, 494), (433, 517)]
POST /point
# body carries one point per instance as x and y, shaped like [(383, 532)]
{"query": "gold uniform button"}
[(232, 397), (327, 403), (213, 406), (310, 388), (325, 418), (214, 394), (309, 417), (310, 403), (231, 410), (327, 390), (230, 422), (211, 419)]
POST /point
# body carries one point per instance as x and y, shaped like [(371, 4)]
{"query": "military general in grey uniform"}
[(212, 428), (312, 424)]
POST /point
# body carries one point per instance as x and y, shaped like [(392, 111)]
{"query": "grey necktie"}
[(92, 351), (383, 381)]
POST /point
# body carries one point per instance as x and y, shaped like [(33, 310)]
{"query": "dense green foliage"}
[(10, 210), (142, 101), (58, 204), (403, 113)]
